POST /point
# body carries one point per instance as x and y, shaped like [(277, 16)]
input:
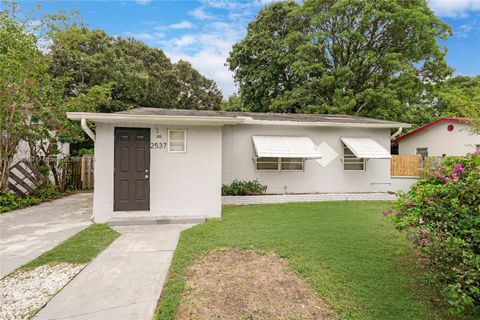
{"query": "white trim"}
[(184, 141), (249, 120), (130, 118), (218, 120)]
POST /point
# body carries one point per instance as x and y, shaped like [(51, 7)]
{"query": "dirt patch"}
[(242, 284)]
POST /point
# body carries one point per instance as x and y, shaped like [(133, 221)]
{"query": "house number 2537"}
[(158, 145)]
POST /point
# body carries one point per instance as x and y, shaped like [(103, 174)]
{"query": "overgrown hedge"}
[(10, 201), (243, 188), (441, 214)]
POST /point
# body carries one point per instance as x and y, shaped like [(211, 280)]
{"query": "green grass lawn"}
[(347, 251), (81, 248)]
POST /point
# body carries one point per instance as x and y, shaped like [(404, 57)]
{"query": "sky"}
[(203, 31)]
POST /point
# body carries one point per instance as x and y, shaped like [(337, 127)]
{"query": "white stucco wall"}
[(402, 183), (181, 184), (238, 152), (440, 141)]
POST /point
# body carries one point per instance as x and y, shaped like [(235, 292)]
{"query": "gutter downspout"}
[(393, 136), (87, 130)]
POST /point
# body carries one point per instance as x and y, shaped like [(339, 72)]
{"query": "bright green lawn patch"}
[(347, 251), (81, 248)]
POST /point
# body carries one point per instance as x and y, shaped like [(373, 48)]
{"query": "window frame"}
[(301, 162), (421, 154), (348, 157), (169, 140), (279, 163)]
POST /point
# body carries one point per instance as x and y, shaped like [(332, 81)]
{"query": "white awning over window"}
[(366, 148), (285, 147)]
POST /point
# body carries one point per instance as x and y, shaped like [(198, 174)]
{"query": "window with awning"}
[(366, 148), (357, 150), (285, 147), (280, 153)]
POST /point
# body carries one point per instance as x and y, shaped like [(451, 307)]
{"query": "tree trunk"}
[(8, 145), (4, 167)]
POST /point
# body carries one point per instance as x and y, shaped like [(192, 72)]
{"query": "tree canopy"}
[(460, 97), (139, 76), (368, 58)]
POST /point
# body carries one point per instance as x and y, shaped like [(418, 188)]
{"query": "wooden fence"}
[(76, 173), (405, 165), (86, 171), (68, 173)]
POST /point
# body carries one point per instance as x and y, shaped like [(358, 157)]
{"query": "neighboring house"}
[(171, 164), (444, 137), (23, 151)]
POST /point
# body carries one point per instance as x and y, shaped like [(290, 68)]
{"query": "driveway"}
[(27, 233), (124, 281)]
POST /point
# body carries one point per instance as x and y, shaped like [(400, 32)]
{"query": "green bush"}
[(10, 201), (243, 188), (83, 151), (441, 214)]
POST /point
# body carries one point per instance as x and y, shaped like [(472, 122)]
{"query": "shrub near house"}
[(10, 201), (441, 213), (243, 188)]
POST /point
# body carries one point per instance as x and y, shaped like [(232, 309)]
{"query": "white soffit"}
[(285, 147), (328, 154), (366, 148), (151, 119)]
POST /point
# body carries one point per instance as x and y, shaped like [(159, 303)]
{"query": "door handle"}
[(146, 176)]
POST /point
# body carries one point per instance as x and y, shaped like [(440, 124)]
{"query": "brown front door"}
[(132, 169)]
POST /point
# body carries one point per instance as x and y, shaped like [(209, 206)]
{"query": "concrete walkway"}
[(285, 198), (27, 233), (124, 281)]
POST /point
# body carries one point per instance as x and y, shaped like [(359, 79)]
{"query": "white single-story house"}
[(443, 137), (170, 164)]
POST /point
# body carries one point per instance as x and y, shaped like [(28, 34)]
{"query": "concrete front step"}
[(133, 221)]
